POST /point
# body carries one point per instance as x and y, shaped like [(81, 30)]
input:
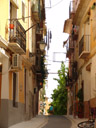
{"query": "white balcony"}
[(84, 47)]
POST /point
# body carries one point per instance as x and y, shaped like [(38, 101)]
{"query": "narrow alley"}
[(51, 121), (47, 63), (58, 122)]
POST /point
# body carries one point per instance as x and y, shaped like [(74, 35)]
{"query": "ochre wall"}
[(4, 9), (21, 86)]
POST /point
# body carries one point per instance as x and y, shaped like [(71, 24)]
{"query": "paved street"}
[(58, 122), (46, 122), (52, 121)]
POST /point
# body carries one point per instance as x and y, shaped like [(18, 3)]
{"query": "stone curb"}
[(74, 123)]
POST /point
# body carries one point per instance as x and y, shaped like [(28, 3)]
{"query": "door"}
[(14, 89)]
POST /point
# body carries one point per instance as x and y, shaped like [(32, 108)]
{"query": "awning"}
[(68, 26)]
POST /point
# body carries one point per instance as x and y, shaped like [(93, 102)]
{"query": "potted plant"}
[(11, 26)]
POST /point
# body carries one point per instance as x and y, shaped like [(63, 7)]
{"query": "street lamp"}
[(42, 45)]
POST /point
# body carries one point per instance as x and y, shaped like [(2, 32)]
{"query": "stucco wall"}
[(93, 77), (10, 115), (86, 76), (4, 16)]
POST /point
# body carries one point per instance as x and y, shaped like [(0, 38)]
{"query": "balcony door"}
[(87, 35), (13, 11), (13, 14)]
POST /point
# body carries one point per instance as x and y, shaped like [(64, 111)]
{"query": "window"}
[(23, 11)]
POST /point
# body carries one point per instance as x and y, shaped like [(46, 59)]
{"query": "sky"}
[(55, 18)]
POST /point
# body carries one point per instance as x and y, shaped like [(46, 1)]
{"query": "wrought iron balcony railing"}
[(84, 46), (74, 70), (70, 47), (17, 37)]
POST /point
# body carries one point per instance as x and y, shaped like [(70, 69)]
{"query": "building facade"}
[(82, 55), (19, 84)]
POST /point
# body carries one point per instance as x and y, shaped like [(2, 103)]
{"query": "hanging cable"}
[(54, 4)]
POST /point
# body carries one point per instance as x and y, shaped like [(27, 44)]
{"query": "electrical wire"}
[(54, 4), (57, 3)]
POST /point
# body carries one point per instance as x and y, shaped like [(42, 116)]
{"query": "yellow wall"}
[(92, 22), (24, 23), (19, 13), (4, 12), (47, 106), (93, 28), (21, 86)]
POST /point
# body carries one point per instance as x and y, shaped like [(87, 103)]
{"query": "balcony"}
[(70, 47), (80, 8), (71, 9), (17, 37), (75, 30), (84, 46), (36, 11), (74, 71), (69, 82)]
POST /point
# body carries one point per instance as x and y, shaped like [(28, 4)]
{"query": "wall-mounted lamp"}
[(42, 45), (42, 48)]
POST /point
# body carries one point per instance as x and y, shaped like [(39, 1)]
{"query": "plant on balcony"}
[(93, 6), (11, 26), (44, 71)]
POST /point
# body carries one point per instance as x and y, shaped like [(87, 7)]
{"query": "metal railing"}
[(69, 46), (17, 34), (84, 44)]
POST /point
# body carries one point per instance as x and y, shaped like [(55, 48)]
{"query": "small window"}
[(23, 11)]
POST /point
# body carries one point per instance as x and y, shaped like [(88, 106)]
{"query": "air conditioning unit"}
[(16, 62)]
